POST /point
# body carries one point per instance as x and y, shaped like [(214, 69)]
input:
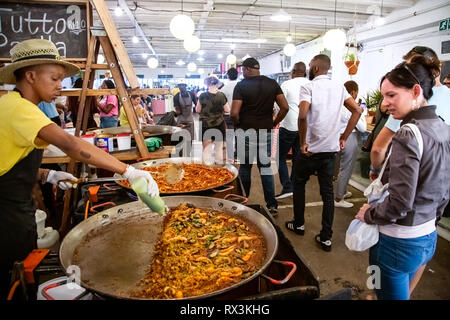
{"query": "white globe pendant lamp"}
[(182, 26), (152, 63), (231, 58), (289, 49), (191, 43), (191, 67), (334, 39)]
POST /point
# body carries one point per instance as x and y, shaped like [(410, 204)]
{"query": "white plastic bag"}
[(361, 236)]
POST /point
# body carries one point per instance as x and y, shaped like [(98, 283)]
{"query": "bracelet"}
[(374, 171)]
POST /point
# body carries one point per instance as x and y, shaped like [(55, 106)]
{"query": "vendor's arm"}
[(235, 110), (284, 108), (380, 146), (404, 165), (303, 109), (356, 111), (198, 107)]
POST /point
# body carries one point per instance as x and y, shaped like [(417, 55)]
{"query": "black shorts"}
[(221, 127)]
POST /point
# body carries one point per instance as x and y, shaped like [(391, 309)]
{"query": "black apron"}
[(186, 118), (18, 234)]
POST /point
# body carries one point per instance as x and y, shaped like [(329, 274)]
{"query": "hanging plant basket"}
[(352, 66)]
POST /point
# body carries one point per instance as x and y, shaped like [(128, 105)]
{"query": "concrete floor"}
[(342, 268)]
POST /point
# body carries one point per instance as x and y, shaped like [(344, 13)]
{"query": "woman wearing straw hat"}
[(37, 70)]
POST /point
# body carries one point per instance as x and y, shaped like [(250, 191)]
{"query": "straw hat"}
[(34, 52)]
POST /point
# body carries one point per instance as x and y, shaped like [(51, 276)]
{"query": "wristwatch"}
[(374, 171)]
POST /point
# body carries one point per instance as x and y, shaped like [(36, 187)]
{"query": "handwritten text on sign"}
[(64, 25)]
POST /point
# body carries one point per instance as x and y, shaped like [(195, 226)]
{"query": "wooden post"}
[(71, 167), (121, 90)]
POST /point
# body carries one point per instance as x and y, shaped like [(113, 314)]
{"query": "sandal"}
[(290, 225)]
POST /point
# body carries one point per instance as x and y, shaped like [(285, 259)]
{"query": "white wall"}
[(383, 47)]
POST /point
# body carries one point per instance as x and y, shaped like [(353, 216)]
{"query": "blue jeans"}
[(246, 164), (108, 122), (287, 140), (399, 260), (323, 165)]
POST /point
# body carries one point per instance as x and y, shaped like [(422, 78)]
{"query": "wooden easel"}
[(113, 50)]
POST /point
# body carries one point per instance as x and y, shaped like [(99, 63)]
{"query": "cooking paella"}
[(201, 251), (196, 177)]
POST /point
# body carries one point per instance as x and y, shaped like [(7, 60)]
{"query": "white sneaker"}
[(348, 194), (343, 204)]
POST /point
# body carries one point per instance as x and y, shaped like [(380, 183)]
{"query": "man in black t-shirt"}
[(252, 111)]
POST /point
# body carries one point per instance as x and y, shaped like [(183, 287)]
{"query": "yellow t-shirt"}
[(123, 119), (20, 122)]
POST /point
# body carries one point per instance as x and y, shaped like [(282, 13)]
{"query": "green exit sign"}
[(444, 25)]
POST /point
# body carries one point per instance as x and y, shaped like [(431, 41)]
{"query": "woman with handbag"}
[(418, 173)]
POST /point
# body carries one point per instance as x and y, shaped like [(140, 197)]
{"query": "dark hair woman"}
[(108, 106), (418, 181), (212, 105)]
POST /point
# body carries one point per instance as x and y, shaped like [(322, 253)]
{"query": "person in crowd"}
[(319, 126), (108, 105), (228, 92), (73, 105), (252, 111), (146, 102), (288, 133), (37, 70), (418, 181), (142, 115), (211, 106), (447, 81), (184, 101), (348, 155), (440, 98), (228, 89)]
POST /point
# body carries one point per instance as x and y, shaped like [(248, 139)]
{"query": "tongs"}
[(173, 174)]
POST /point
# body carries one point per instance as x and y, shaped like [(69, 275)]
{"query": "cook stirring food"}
[(38, 71)]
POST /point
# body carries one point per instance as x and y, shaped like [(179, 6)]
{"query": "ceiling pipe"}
[(139, 31)]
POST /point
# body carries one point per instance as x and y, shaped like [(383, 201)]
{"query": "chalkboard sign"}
[(65, 25)]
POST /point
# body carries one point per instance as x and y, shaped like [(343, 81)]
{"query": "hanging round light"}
[(182, 26), (191, 43), (334, 39), (289, 49), (191, 67), (152, 63), (231, 58)]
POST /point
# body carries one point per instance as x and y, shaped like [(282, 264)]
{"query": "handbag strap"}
[(418, 136), (419, 139)]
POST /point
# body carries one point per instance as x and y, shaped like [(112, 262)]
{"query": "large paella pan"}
[(113, 249), (198, 177)]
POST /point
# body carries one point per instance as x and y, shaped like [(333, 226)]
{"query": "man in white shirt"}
[(288, 134), (318, 124)]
